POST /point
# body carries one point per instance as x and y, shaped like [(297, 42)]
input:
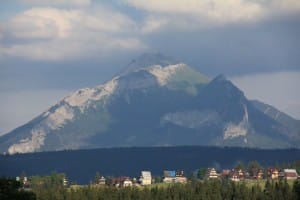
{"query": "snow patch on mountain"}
[(52, 121), (191, 119), (163, 74), (82, 98), (64, 113), (137, 80), (235, 130), (30, 144), (59, 117)]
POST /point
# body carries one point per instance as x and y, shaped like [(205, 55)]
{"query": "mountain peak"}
[(220, 77), (149, 59)]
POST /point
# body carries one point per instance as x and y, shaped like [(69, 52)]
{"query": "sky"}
[(49, 48)]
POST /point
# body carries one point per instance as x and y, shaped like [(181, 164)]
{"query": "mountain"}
[(155, 101), (148, 59), (287, 121)]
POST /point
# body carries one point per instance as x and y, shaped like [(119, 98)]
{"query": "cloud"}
[(215, 10), (46, 33), (195, 14), (42, 23), (56, 2), (278, 89), (56, 30), (285, 5), (152, 24)]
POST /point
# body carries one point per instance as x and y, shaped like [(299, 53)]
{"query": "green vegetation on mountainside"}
[(188, 80)]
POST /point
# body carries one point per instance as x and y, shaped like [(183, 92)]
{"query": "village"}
[(175, 177)]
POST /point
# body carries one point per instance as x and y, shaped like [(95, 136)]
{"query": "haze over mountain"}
[(155, 101)]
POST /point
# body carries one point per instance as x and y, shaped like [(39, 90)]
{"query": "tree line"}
[(208, 190), (51, 188)]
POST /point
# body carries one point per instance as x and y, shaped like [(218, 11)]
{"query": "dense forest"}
[(208, 190), (10, 189), (81, 165), (212, 189)]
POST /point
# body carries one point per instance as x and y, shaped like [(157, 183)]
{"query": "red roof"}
[(290, 174)]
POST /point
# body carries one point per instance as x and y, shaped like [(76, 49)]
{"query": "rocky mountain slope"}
[(155, 101)]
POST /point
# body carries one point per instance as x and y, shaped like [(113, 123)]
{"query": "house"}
[(65, 182), (146, 178), (211, 173), (273, 173), (234, 176), (259, 174), (24, 181), (122, 181), (290, 174), (127, 183), (174, 176), (225, 173), (102, 180), (169, 176), (179, 173), (237, 175), (241, 174), (180, 177)]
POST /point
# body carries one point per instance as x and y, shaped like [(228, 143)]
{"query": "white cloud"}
[(57, 2), (46, 33), (45, 23), (279, 89), (107, 20), (152, 24), (67, 32), (285, 5), (193, 14), (93, 46)]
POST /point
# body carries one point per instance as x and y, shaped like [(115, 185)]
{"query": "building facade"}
[(146, 178)]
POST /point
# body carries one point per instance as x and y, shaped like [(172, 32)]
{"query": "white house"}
[(290, 174), (212, 173), (102, 180), (146, 178), (127, 183)]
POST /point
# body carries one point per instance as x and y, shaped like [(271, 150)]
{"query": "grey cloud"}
[(236, 49)]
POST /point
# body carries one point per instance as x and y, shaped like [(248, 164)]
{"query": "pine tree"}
[(296, 189)]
